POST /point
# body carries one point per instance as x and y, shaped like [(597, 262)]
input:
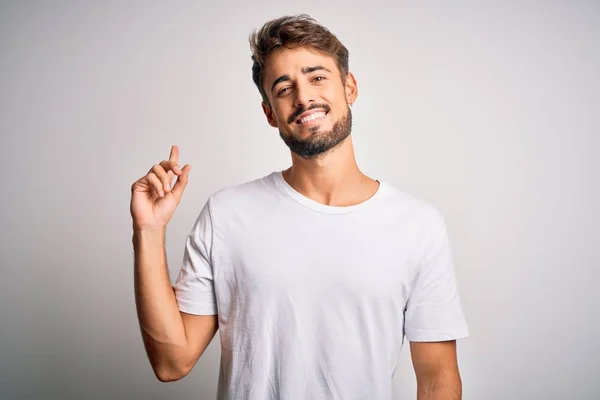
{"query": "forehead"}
[(291, 61)]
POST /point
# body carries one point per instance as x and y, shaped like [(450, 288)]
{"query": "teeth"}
[(312, 117)]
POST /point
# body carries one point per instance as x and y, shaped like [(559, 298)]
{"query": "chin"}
[(312, 130)]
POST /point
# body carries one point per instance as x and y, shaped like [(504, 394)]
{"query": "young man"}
[(312, 275)]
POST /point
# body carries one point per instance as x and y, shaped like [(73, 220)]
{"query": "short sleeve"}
[(433, 311), (194, 286)]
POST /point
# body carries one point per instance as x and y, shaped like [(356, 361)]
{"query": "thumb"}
[(181, 182)]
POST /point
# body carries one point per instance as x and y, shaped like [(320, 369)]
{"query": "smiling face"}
[(308, 101)]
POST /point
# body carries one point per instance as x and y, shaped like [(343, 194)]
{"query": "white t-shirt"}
[(314, 301)]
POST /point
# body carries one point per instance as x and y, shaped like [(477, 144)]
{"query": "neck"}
[(333, 178)]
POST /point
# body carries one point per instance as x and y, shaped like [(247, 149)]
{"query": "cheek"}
[(282, 117), (283, 114), (275, 114)]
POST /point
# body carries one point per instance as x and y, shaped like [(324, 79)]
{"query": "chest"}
[(336, 260)]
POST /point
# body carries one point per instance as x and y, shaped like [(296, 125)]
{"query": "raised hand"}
[(153, 201)]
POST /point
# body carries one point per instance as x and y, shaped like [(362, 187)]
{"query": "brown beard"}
[(318, 144)]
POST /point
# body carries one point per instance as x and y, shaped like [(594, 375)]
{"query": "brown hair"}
[(291, 32)]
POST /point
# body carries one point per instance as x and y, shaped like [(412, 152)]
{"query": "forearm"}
[(439, 387), (161, 325)]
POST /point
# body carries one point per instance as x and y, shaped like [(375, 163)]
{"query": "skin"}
[(331, 178), (174, 340), (436, 369)]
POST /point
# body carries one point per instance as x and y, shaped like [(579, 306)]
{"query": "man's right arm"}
[(174, 340)]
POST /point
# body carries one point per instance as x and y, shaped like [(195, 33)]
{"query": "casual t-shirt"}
[(314, 301)]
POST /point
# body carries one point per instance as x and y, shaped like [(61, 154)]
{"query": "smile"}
[(311, 117)]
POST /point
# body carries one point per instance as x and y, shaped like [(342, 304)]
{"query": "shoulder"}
[(415, 209), (243, 195)]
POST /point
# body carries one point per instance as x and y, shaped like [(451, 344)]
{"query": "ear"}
[(269, 114), (351, 88)]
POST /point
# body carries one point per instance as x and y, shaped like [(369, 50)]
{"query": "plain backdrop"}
[(489, 110)]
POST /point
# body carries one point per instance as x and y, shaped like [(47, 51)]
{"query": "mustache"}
[(302, 110)]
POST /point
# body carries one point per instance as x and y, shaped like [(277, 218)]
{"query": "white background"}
[(488, 110)]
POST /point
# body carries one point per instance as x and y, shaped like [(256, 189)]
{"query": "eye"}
[(319, 78), (283, 90)]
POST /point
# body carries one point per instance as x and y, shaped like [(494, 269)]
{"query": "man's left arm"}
[(436, 369), (434, 319)]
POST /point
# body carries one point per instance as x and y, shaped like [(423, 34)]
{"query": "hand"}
[(153, 201)]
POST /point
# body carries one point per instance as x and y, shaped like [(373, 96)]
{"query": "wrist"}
[(149, 233)]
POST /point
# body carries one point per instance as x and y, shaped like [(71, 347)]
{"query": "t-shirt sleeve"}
[(194, 286), (433, 310)]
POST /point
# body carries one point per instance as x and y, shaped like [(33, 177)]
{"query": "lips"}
[(311, 116)]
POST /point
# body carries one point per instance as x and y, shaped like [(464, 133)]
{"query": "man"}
[(312, 275)]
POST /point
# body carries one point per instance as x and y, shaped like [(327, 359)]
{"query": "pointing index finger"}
[(174, 156)]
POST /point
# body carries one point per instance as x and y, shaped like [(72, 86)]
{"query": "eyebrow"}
[(305, 70)]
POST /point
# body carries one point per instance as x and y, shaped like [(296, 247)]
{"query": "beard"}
[(318, 143)]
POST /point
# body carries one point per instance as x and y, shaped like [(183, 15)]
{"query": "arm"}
[(436, 368), (174, 341), (434, 319)]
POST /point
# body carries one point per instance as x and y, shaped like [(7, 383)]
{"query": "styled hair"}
[(292, 32)]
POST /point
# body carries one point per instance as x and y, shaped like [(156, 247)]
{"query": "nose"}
[(304, 94)]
